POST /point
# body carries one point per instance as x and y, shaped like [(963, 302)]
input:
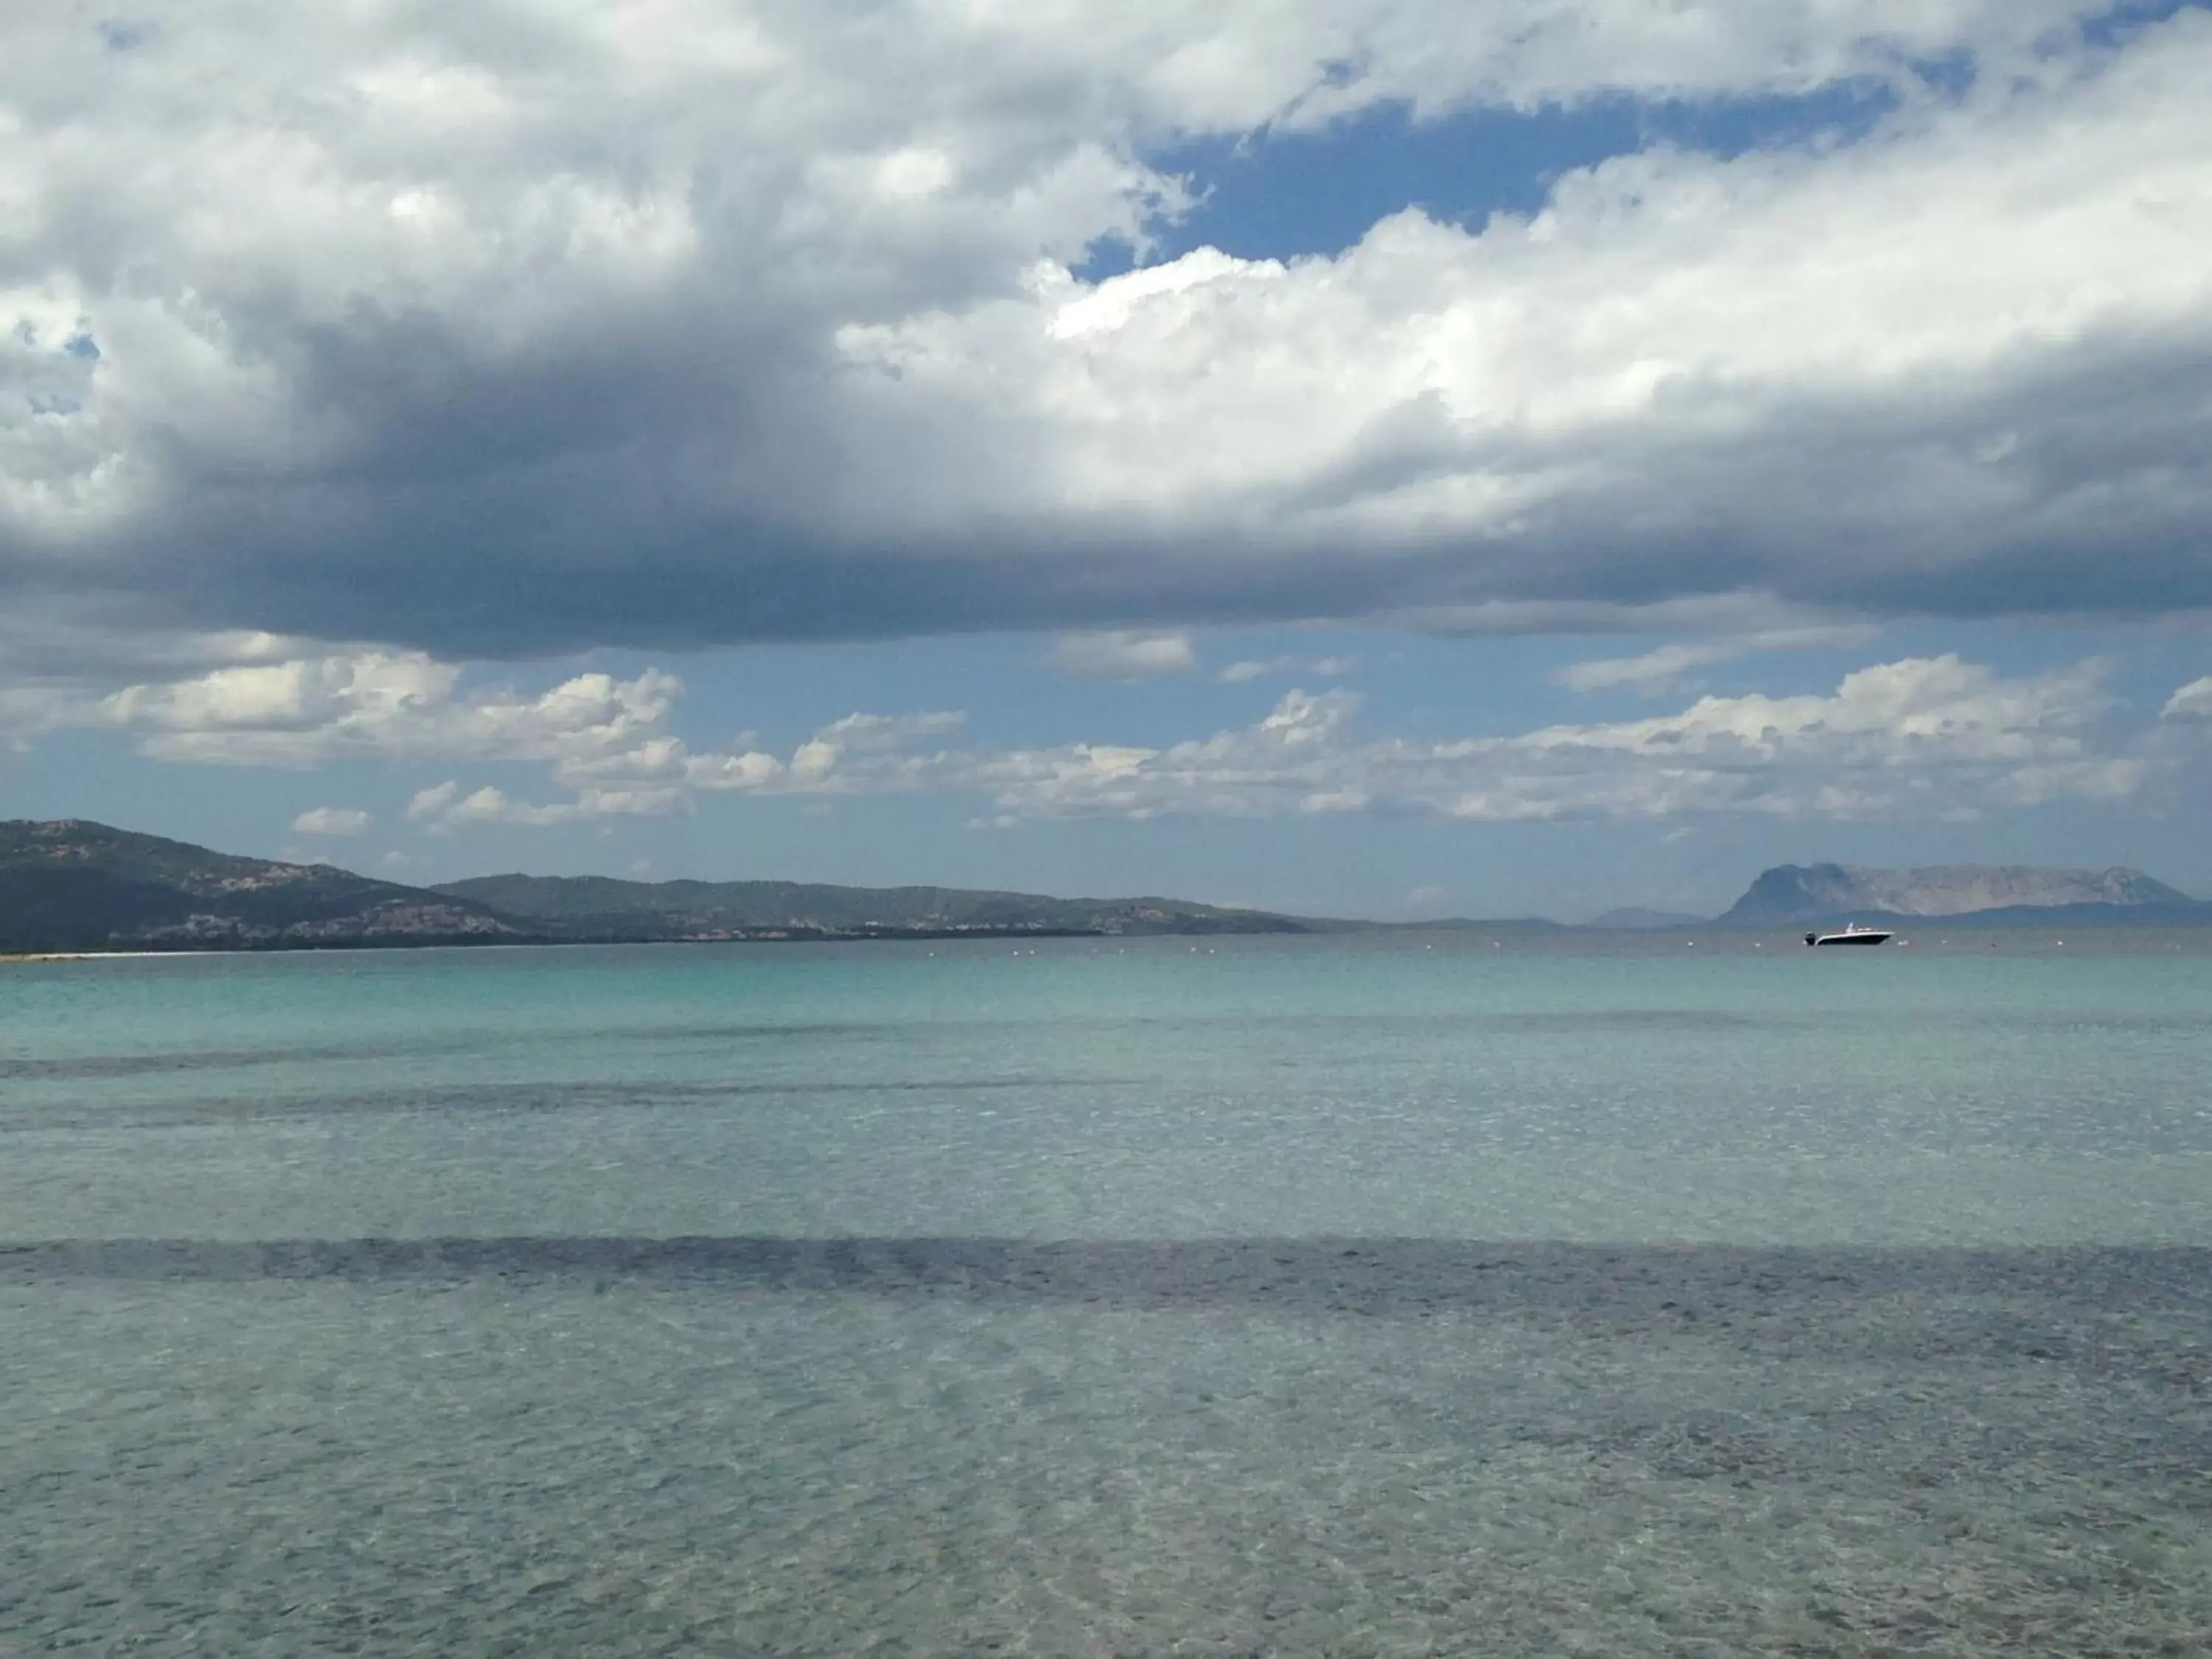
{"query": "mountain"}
[(1793, 895), (70, 886), (1633, 918), (1451, 925), (599, 908)]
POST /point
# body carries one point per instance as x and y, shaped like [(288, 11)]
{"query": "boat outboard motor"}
[(1812, 938)]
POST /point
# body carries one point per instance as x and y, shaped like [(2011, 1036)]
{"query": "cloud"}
[(42, 643), (602, 737), (1662, 670), (749, 770), (2194, 698), (1326, 668), (1653, 670), (52, 662), (872, 733), (626, 766), (393, 705), (1905, 738), (432, 804), (1919, 738), (748, 321), (332, 820), (1122, 656), (446, 807)]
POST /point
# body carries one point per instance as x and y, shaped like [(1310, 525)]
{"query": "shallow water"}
[(1313, 1297)]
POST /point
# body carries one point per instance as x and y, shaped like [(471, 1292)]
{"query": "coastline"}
[(9, 957)]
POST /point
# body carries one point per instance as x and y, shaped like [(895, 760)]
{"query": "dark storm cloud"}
[(504, 341)]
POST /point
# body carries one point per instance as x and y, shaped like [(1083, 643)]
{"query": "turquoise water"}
[(1390, 1296)]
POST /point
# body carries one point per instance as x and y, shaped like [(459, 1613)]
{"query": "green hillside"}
[(68, 885), (597, 907)]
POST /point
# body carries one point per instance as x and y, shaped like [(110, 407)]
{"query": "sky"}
[(1377, 457)]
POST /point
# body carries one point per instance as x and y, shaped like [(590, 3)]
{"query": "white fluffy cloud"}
[(332, 820), (1905, 738), (601, 737), (447, 806), (759, 318), (1922, 737), (398, 706), (2194, 698), (1806, 370)]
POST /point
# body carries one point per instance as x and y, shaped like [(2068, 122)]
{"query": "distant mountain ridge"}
[(1635, 918), (69, 885), (602, 907), (1793, 895)]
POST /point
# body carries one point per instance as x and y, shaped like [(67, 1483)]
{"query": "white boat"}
[(1853, 934)]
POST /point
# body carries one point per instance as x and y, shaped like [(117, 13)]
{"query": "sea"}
[(1451, 1293)]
